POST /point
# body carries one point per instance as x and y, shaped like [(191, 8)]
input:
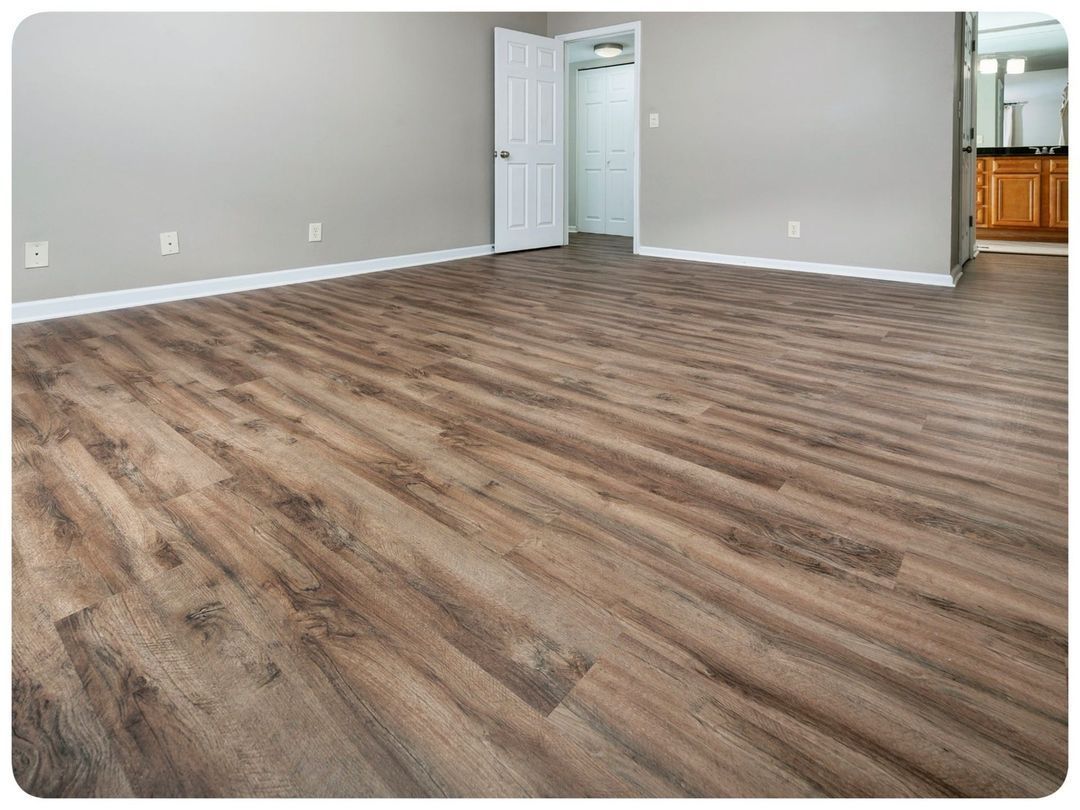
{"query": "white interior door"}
[(605, 150), (591, 195), (967, 137), (528, 141)]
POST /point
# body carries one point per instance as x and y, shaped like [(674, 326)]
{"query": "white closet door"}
[(591, 94), (605, 150), (528, 141), (619, 164)]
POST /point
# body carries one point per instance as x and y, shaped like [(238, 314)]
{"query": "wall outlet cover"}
[(170, 243), (654, 120), (314, 232), (793, 229), (37, 254)]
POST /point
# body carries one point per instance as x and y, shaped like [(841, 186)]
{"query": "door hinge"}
[(971, 221)]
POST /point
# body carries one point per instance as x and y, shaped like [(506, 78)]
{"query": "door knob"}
[(967, 148), (504, 154)]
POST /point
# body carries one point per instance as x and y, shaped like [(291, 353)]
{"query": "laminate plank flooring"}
[(569, 522)]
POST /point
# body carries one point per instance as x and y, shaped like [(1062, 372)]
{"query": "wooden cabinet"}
[(1015, 200), (1058, 196), (1022, 198), (982, 192), (1015, 165)]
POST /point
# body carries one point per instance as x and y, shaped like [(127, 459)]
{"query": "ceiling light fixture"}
[(607, 49), (988, 66), (1015, 65)]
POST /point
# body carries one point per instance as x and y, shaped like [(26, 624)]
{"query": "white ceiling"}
[(1038, 37), (582, 50), (989, 20)]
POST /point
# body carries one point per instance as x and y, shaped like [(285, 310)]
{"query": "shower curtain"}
[(1013, 134), (1063, 135)]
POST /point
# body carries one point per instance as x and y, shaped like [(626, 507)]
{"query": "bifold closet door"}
[(605, 150)]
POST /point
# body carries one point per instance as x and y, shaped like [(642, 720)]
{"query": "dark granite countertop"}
[(1019, 151)]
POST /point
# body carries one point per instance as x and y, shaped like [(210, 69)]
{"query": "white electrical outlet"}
[(654, 120), (793, 229), (170, 243), (37, 254), (314, 232)]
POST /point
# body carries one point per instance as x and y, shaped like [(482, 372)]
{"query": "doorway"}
[(602, 166), (534, 143), (1021, 176)]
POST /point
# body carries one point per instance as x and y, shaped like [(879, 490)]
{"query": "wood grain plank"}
[(138, 448), (392, 689), (80, 534), (177, 732), (534, 643), (569, 522), (59, 747)]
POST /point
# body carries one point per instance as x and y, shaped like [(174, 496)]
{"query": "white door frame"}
[(621, 28)]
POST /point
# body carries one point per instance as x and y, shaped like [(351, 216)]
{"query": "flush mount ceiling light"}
[(1015, 65), (607, 49), (988, 66)]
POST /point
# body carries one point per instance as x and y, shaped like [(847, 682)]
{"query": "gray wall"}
[(841, 121), (237, 130)]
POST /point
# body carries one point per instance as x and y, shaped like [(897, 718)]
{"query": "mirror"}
[(1023, 61)]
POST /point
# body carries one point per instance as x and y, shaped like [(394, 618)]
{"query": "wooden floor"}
[(567, 522)]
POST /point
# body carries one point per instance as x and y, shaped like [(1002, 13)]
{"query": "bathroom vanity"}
[(1021, 194)]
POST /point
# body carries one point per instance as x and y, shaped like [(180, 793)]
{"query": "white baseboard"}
[(572, 228), (1030, 248), (909, 276), (120, 299)]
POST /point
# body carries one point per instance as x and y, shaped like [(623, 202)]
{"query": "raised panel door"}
[(528, 141), (1015, 200)]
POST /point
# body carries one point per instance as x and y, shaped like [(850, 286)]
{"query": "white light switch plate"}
[(170, 243), (314, 232), (654, 120), (37, 254)]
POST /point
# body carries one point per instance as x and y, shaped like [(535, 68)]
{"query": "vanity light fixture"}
[(988, 65), (1015, 65), (607, 49)]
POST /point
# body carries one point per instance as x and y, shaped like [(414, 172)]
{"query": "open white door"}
[(967, 136), (528, 141)]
